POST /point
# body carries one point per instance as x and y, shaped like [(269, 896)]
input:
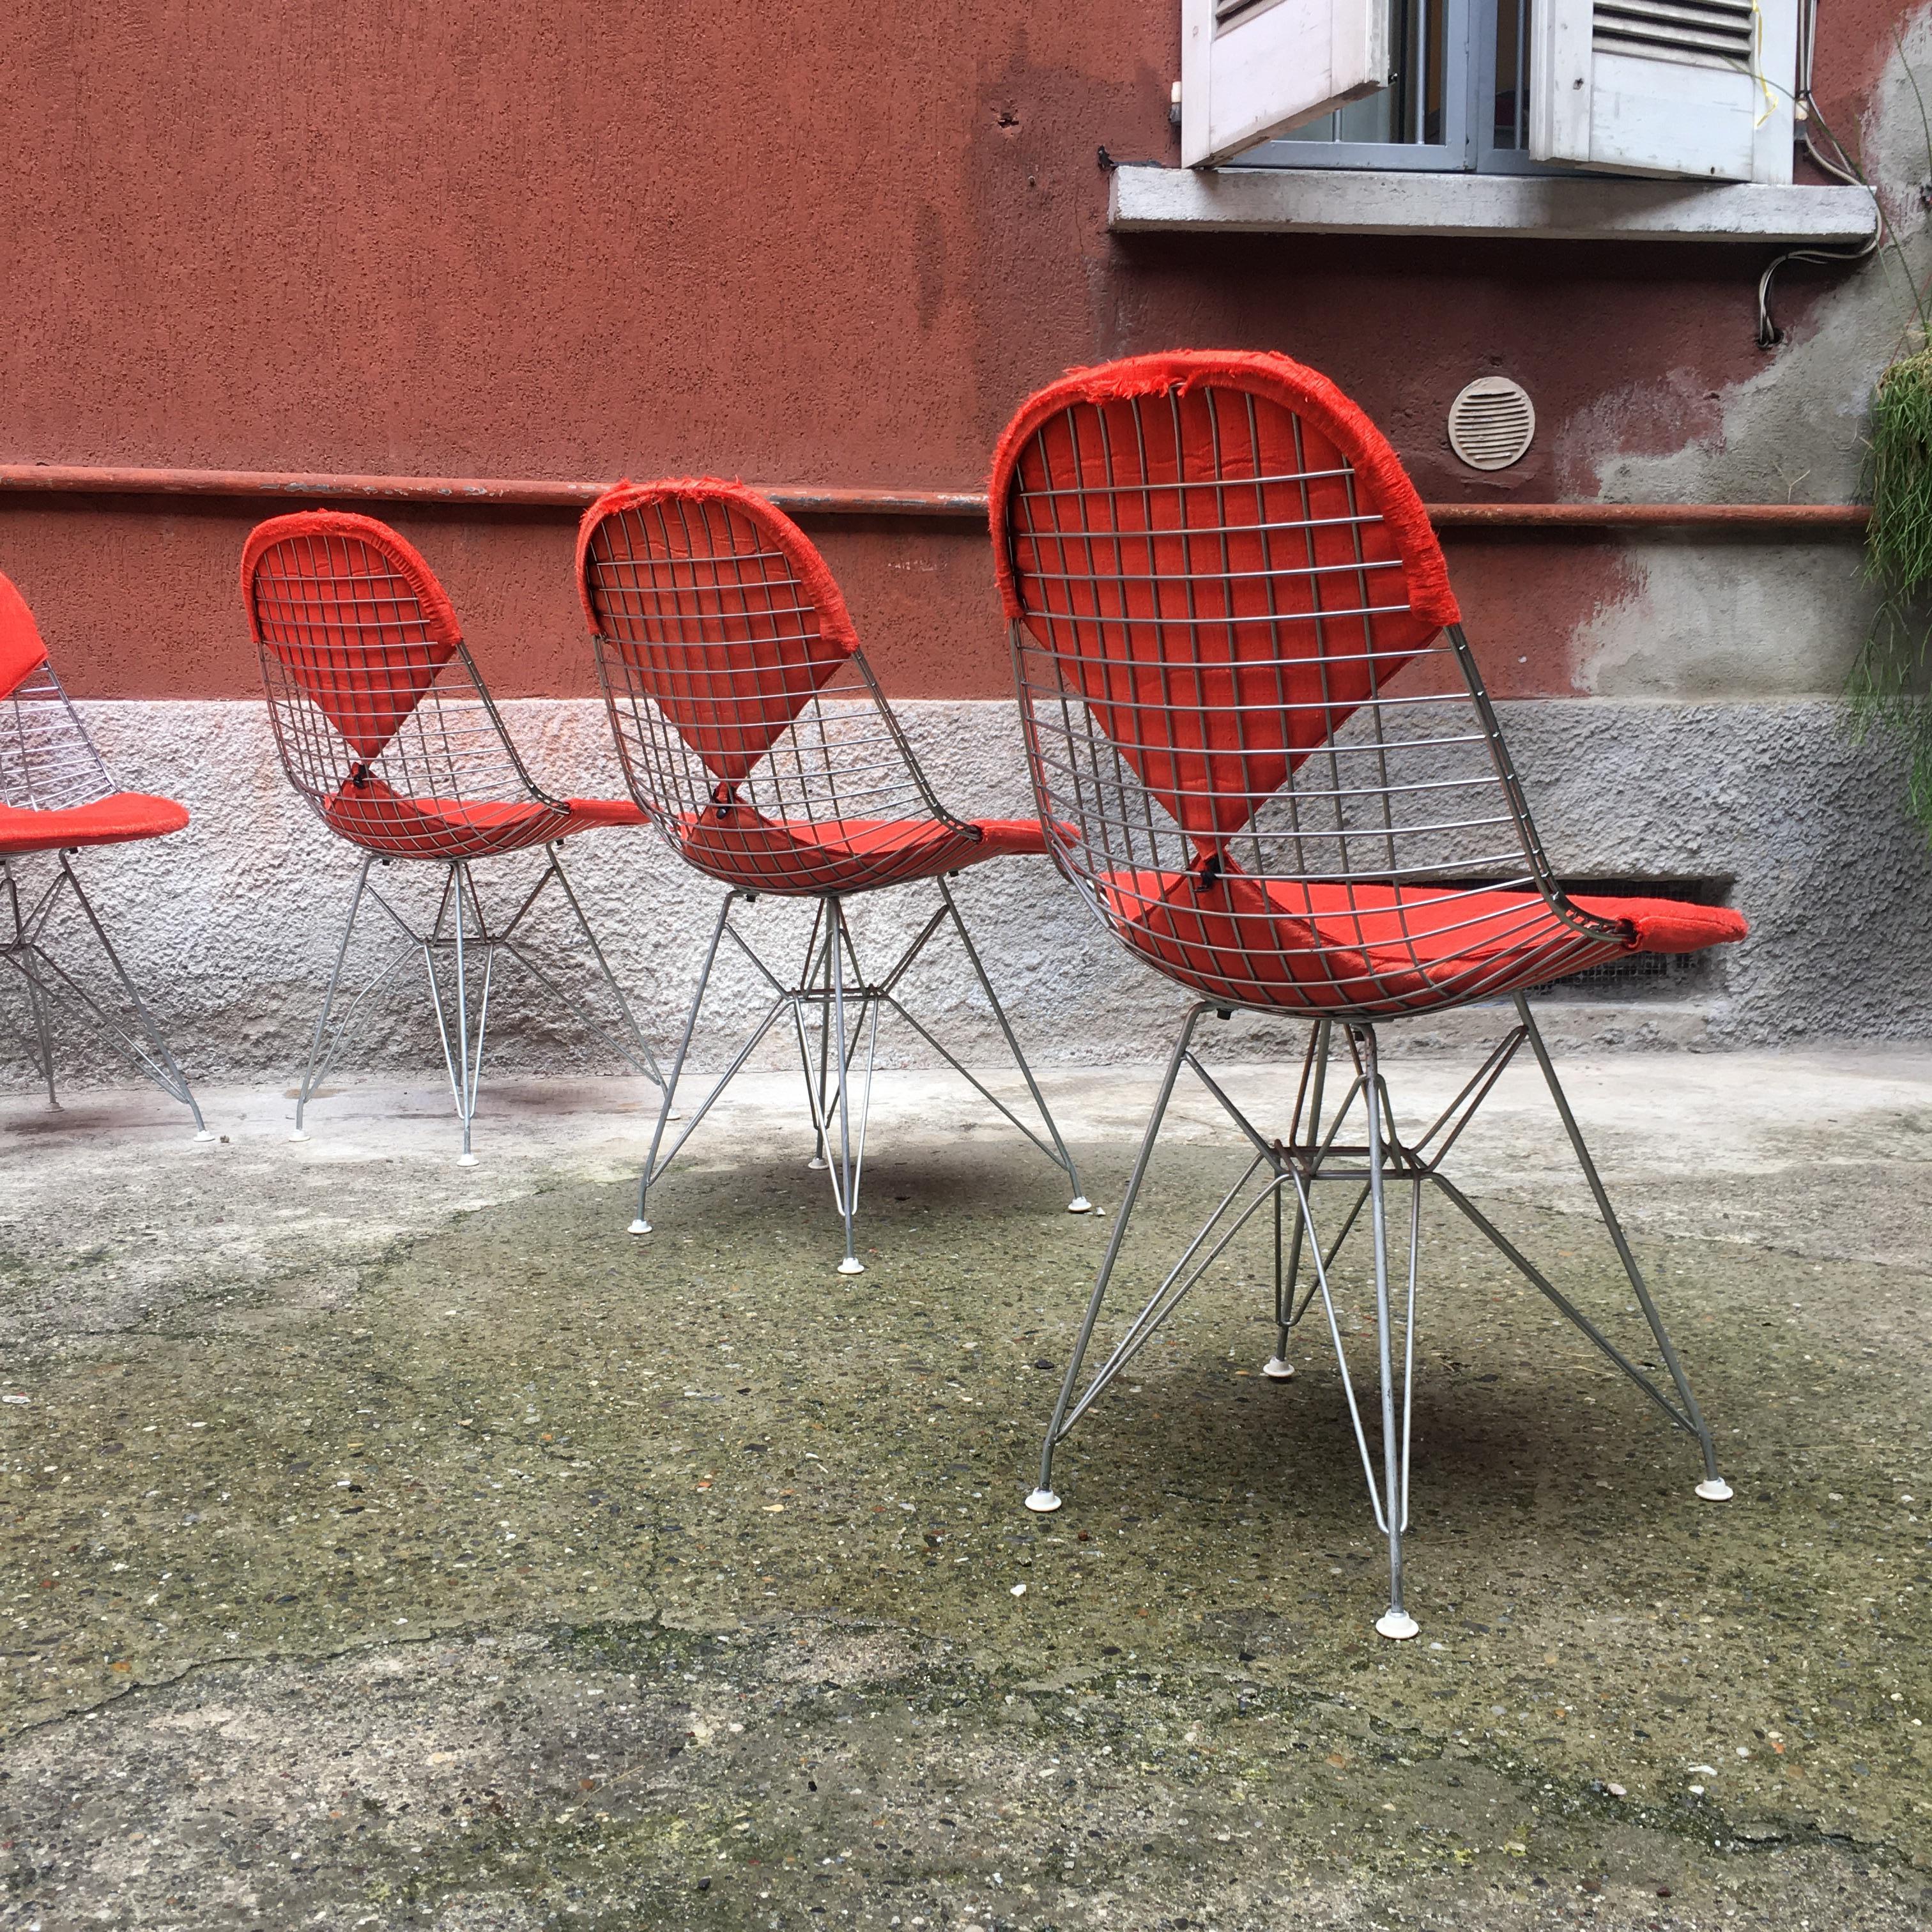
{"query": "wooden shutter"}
[(1252, 69), (1697, 88)]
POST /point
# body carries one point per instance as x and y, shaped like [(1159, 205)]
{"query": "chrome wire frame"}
[(1377, 1169), (53, 990), (448, 951), (766, 753), (49, 763), (834, 1006), (1280, 785)]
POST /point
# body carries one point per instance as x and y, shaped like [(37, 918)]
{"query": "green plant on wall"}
[(1888, 688), (1889, 685)]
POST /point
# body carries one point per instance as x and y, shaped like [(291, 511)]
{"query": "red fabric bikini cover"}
[(1168, 605)]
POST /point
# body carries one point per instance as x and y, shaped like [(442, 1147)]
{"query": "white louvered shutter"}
[(1696, 87), (1252, 69)]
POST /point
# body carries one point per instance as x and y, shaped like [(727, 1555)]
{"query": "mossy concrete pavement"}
[(388, 1544)]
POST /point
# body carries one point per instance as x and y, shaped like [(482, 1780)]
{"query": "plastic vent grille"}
[(1491, 423), (1706, 32)]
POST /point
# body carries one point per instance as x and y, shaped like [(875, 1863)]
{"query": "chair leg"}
[(1375, 1172), (653, 1165), (1079, 1204), (1396, 1622), (317, 1062), (1044, 1498), (1053, 1148), (463, 1063), (832, 984), (1288, 1278), (18, 953), (627, 1038), (813, 986), (50, 986), (1713, 1488), (846, 1187)]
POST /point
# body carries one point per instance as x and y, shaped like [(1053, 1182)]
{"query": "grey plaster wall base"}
[(231, 926)]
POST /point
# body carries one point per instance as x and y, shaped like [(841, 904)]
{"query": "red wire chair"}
[(385, 727), (55, 797), (1264, 756), (754, 734)]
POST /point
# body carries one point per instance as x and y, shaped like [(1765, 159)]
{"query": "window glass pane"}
[(1411, 110), (1512, 75)]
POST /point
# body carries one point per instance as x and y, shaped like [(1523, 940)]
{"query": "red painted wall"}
[(810, 243)]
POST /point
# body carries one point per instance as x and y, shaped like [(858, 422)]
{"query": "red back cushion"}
[(21, 653), (1225, 557), (353, 614), (721, 607)]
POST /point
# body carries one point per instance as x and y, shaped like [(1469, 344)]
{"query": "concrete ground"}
[(392, 1544)]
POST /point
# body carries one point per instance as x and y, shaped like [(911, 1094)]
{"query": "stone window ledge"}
[(1345, 201)]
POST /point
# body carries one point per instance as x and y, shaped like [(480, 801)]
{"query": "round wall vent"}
[(1491, 423)]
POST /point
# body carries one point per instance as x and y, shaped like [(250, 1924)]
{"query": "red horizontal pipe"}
[(514, 492), (1649, 516), (830, 499)]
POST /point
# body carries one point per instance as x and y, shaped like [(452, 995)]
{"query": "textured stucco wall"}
[(232, 925), (791, 245), (805, 243)]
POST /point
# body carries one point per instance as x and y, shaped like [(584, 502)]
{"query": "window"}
[(1662, 87)]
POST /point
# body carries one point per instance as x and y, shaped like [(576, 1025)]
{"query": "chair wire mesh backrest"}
[(48, 762), (379, 715), (1259, 741), (738, 693)]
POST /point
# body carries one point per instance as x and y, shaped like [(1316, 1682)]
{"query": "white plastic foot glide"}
[(641, 1226), (851, 1264), (1396, 1624), (1042, 1502), (466, 1160), (817, 1165), (299, 1135), (1277, 1370), (1080, 1205), (204, 1135), (1715, 1489)]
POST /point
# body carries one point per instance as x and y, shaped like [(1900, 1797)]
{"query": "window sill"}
[(1336, 201)]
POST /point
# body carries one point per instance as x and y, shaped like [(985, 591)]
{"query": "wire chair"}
[(56, 796), (1264, 755), (385, 727), (754, 736)]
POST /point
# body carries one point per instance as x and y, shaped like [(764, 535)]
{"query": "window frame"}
[(1470, 36)]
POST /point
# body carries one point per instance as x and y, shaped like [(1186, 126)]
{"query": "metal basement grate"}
[(1648, 975), (1642, 976)]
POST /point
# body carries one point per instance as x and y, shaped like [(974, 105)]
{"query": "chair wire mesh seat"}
[(1264, 754), (384, 726), (753, 734), (55, 797)]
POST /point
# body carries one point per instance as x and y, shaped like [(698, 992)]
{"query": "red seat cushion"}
[(115, 820), (737, 844), (380, 819), (1379, 950)]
